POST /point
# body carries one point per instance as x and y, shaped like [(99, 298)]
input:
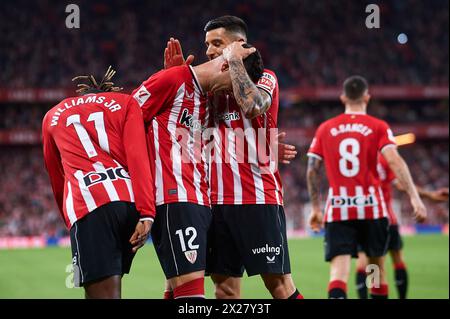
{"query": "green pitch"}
[(41, 273)]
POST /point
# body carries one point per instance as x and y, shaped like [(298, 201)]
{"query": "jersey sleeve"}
[(268, 83), (315, 150), (135, 145), (154, 93), (385, 136), (53, 164)]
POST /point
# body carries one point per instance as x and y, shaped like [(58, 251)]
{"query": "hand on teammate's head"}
[(236, 50)]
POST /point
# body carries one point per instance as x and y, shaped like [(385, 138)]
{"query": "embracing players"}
[(355, 211), (248, 229), (173, 103)]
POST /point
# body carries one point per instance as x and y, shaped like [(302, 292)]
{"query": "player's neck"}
[(202, 77), (355, 109)]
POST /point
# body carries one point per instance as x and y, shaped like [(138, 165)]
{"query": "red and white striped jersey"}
[(349, 145), (387, 177), (95, 153), (174, 109), (239, 174)]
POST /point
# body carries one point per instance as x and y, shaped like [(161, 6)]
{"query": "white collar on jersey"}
[(356, 113), (197, 83)]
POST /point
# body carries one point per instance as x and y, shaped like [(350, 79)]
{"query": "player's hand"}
[(236, 51), (286, 152), (173, 55), (440, 195), (140, 234), (316, 221), (420, 212)]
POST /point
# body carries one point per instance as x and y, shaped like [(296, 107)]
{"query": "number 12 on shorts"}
[(190, 233)]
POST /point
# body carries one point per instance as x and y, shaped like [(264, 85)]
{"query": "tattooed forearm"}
[(247, 95), (313, 179)]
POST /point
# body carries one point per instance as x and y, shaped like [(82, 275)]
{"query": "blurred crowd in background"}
[(308, 44)]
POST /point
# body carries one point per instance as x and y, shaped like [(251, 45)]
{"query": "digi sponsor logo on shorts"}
[(270, 252)]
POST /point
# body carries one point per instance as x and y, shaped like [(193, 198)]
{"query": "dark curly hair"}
[(253, 64)]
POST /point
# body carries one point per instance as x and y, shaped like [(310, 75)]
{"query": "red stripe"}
[(400, 266), (380, 291), (337, 284)]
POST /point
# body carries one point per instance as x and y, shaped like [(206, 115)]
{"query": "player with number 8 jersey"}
[(349, 145)]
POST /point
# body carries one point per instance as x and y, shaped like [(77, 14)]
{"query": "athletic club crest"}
[(191, 255)]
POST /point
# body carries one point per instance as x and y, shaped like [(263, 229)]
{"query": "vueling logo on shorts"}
[(268, 250)]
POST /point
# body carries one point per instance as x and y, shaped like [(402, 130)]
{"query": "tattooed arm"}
[(401, 171), (313, 179), (252, 100)]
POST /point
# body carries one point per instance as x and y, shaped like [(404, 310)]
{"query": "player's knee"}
[(279, 286), (226, 291)]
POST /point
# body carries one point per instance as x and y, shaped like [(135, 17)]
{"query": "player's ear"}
[(367, 98), (225, 66), (343, 99)]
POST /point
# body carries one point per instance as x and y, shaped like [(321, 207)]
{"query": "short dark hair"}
[(355, 87), (253, 64), (229, 23)]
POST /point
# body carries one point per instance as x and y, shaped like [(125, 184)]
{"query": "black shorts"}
[(179, 235), (100, 242), (347, 237), (250, 237), (395, 239)]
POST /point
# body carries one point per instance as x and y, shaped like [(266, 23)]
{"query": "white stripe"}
[(99, 123), (218, 163), (361, 209), (170, 240), (383, 203), (127, 182), (85, 192), (330, 207), (344, 208), (78, 252), (376, 211), (107, 183), (69, 205), (176, 148), (159, 183), (282, 240), (234, 167), (253, 161), (197, 176)]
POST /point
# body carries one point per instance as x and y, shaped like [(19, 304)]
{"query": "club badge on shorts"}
[(191, 255)]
